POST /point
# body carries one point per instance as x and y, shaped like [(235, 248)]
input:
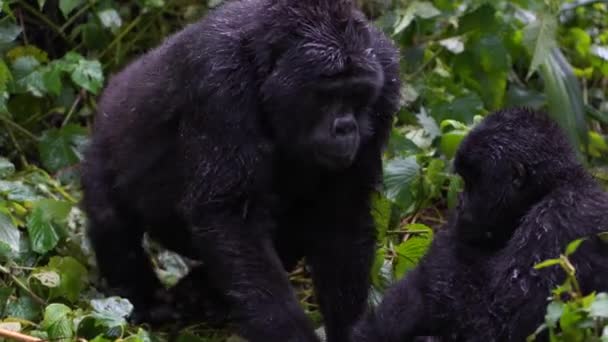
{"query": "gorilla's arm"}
[(402, 315)]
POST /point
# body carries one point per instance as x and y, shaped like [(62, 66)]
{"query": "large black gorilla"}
[(525, 198), (248, 140)]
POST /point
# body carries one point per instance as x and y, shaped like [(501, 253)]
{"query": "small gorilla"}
[(248, 140), (525, 198)]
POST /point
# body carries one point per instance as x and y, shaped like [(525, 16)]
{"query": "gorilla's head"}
[(508, 163), (319, 78)]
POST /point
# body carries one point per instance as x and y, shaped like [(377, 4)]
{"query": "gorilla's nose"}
[(344, 126)]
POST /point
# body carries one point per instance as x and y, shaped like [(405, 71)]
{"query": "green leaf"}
[(554, 312), (539, 39), (564, 97), (599, 308), (8, 32), (6, 167), (547, 263), (67, 6), (73, 278), (112, 311), (60, 148), (17, 191), (5, 294), (9, 236), (85, 73), (399, 174), (28, 76), (413, 249), (110, 18), (573, 246), (58, 322), (51, 77), (450, 141), (421, 9), (24, 307), (45, 224)]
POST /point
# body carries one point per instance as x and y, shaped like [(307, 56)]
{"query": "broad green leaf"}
[(413, 249), (451, 141), (67, 6), (45, 224), (112, 311), (421, 9), (23, 307), (58, 323), (554, 312), (8, 32), (547, 263), (399, 174), (599, 308), (9, 236), (564, 97), (110, 18), (454, 188), (60, 148), (573, 246), (428, 123), (85, 73), (73, 278), (28, 76), (51, 77), (540, 39), (6, 167), (17, 191)]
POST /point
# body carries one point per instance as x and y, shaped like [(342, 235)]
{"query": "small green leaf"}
[(67, 6), (5, 76), (547, 263), (421, 9), (381, 212), (573, 246), (554, 312), (60, 148), (112, 311), (85, 73), (73, 278), (413, 249), (8, 32), (9, 236), (58, 322), (23, 307), (539, 39), (399, 174), (6, 167), (45, 224), (17, 191), (599, 308), (110, 18)]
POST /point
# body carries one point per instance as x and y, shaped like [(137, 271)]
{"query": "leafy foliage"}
[(460, 60)]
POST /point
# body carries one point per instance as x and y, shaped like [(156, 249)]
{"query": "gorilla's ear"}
[(519, 175)]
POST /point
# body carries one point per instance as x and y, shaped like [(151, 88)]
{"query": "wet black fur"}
[(526, 197), (186, 147)]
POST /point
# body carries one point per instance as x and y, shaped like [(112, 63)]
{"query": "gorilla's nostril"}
[(344, 126)]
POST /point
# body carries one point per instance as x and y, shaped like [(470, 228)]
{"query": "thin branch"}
[(18, 128), (19, 283), (13, 335)]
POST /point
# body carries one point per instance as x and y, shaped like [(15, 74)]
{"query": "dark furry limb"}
[(248, 140), (526, 197)]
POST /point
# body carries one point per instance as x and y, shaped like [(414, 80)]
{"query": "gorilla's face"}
[(318, 96)]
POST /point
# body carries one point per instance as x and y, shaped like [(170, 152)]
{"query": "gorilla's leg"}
[(243, 262), (122, 261), (341, 263)]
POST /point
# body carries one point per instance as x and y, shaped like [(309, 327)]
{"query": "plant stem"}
[(19, 283), (17, 127), (45, 19)]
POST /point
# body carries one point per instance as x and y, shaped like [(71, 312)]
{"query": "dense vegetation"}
[(460, 60)]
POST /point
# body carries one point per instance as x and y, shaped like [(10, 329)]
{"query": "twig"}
[(17, 127), (22, 285), (73, 108), (44, 19), (13, 335), (20, 15)]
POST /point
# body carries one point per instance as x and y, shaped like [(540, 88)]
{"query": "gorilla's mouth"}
[(335, 161)]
